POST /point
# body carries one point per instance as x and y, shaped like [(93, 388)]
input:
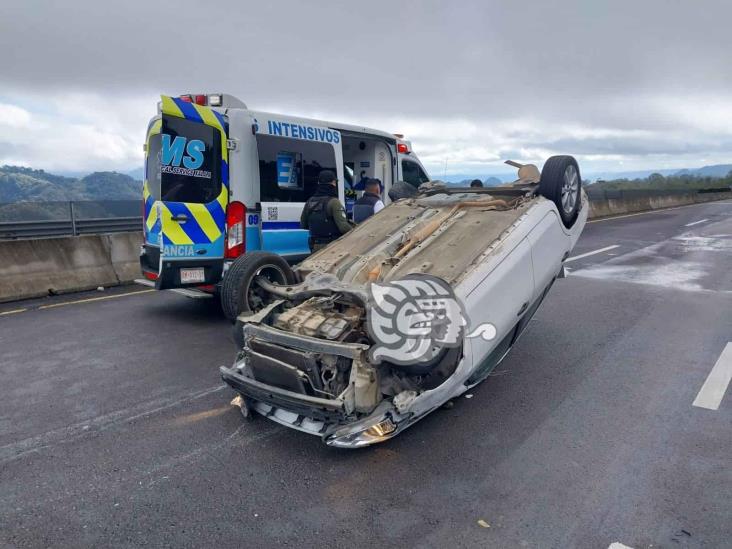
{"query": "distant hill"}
[(490, 181), (19, 184), (138, 173), (465, 178), (657, 181), (716, 170)]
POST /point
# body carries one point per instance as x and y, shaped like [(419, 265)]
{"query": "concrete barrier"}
[(626, 205), (124, 254), (34, 268)]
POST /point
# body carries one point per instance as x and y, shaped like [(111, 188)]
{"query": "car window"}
[(289, 168), (413, 174)]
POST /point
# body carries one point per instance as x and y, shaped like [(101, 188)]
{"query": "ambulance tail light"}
[(199, 99), (186, 98), (402, 148), (236, 214)]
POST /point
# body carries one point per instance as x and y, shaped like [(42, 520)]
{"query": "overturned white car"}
[(407, 311)]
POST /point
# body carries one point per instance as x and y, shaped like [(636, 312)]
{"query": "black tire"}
[(236, 289), (562, 184)]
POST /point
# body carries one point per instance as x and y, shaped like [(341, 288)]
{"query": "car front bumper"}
[(317, 416)]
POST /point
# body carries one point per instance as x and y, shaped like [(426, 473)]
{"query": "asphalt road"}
[(115, 429)]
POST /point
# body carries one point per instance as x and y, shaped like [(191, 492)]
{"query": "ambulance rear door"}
[(193, 194)]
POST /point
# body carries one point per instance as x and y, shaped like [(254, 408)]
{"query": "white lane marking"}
[(712, 392), (613, 217), (618, 545), (605, 249), (89, 300), (695, 223), (14, 311)]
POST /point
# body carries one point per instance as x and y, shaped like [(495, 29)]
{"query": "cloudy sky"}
[(622, 85)]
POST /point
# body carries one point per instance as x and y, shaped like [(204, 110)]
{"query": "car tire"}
[(236, 288), (562, 184)]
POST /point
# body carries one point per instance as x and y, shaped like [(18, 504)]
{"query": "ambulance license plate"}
[(189, 276)]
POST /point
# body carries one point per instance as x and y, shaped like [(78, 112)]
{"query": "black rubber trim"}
[(313, 407)]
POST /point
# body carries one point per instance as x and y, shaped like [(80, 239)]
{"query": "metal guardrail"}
[(40, 229), (113, 216), (54, 218)]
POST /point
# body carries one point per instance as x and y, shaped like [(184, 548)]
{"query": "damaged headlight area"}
[(357, 436)]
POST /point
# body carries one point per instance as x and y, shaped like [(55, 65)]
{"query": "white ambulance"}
[(225, 186)]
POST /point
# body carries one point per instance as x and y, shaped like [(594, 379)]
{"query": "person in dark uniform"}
[(323, 214), (361, 183), (369, 203)]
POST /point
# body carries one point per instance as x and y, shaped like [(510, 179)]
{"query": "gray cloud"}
[(634, 146), (533, 69)]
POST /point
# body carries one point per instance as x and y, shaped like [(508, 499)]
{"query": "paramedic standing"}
[(369, 203), (323, 214)]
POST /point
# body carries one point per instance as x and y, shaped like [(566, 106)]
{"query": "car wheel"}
[(562, 184), (239, 293)]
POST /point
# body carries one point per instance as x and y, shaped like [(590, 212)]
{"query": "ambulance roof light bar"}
[(198, 99), (214, 100)]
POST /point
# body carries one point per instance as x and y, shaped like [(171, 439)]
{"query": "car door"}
[(500, 299), (549, 246)]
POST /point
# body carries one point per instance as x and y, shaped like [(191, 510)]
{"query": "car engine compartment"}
[(315, 344)]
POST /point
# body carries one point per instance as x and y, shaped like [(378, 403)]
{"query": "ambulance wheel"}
[(239, 293), (561, 183)]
